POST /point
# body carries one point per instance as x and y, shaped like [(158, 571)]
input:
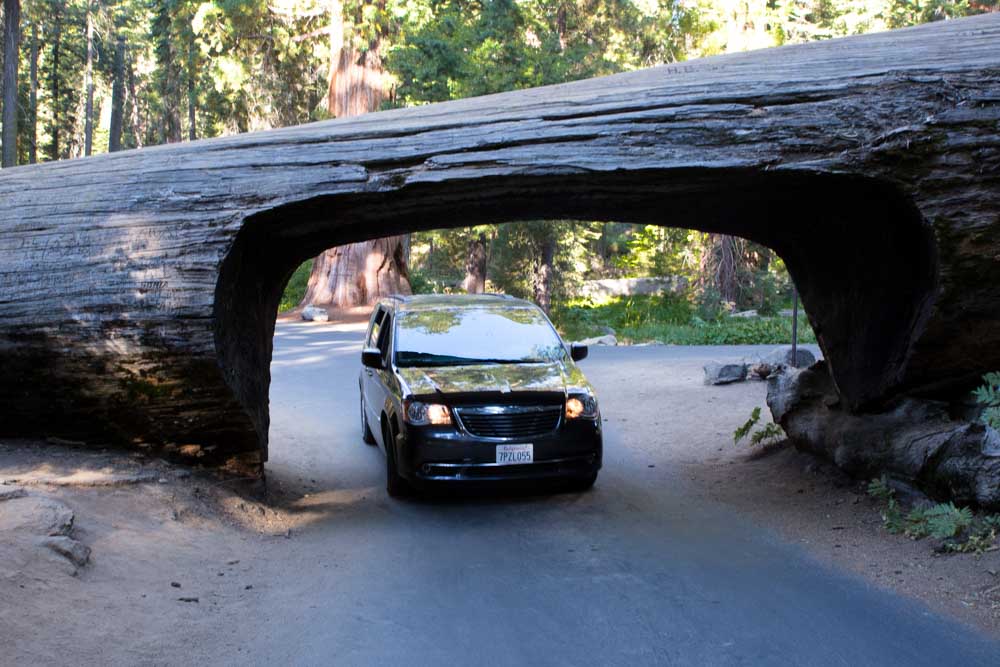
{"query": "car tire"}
[(395, 485), (366, 432), (584, 483)]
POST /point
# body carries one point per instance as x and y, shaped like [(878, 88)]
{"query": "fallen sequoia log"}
[(138, 289), (912, 439)]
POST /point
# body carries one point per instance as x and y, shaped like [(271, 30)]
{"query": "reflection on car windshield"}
[(458, 337)]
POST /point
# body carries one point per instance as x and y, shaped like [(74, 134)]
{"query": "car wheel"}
[(395, 485), (584, 483), (366, 433)]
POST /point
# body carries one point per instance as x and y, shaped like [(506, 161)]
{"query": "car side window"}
[(373, 332), (383, 337)]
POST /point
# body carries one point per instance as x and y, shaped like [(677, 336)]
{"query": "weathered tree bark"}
[(33, 97), (88, 84), (138, 289), (11, 48), (475, 266), (356, 87), (117, 97)]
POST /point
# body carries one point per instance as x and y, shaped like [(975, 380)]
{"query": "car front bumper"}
[(447, 454)]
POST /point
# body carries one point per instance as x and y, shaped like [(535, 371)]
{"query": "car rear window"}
[(465, 336)]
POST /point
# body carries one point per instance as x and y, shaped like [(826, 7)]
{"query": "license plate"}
[(514, 454)]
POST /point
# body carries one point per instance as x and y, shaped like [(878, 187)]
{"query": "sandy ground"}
[(176, 552)]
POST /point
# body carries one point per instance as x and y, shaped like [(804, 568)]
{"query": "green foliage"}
[(988, 396), (670, 319), (744, 430), (770, 432), (296, 287), (958, 528)]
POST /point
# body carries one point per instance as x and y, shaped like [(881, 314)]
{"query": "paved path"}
[(633, 572)]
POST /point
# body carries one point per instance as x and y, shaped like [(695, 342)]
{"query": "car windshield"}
[(465, 336)]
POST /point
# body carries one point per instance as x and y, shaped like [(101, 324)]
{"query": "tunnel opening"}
[(859, 251)]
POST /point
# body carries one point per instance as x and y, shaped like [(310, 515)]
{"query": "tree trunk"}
[(136, 119), (54, 80), (11, 48), (117, 97), (192, 95), (88, 83), (475, 266), (33, 98), (343, 276), (543, 273), (359, 273), (169, 73)]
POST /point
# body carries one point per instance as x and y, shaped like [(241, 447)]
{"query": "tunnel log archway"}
[(136, 294), (867, 300)]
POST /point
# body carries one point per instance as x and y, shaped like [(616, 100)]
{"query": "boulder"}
[(716, 373), (600, 340), (783, 357), (77, 552), (315, 314)]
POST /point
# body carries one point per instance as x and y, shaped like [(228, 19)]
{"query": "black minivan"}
[(462, 388)]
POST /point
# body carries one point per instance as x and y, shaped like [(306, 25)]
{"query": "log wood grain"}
[(138, 289)]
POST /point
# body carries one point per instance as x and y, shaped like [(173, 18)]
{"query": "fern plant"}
[(744, 430), (988, 396), (770, 431)]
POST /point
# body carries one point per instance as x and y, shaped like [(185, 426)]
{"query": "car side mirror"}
[(578, 351), (371, 357)]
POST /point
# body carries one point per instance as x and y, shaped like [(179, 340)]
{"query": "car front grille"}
[(509, 421)]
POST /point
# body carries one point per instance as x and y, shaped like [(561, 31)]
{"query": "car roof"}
[(435, 301)]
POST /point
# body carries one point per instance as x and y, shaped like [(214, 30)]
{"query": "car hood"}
[(503, 378)]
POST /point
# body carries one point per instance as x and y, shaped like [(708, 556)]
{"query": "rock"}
[(783, 357), (716, 373), (760, 371), (71, 549), (744, 314), (10, 492), (315, 314), (607, 331), (36, 515), (600, 340)]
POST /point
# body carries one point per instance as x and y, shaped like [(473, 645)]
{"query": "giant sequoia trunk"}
[(138, 289), (475, 266), (359, 274)]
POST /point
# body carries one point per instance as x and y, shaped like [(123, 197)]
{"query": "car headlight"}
[(581, 406), (422, 414)]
